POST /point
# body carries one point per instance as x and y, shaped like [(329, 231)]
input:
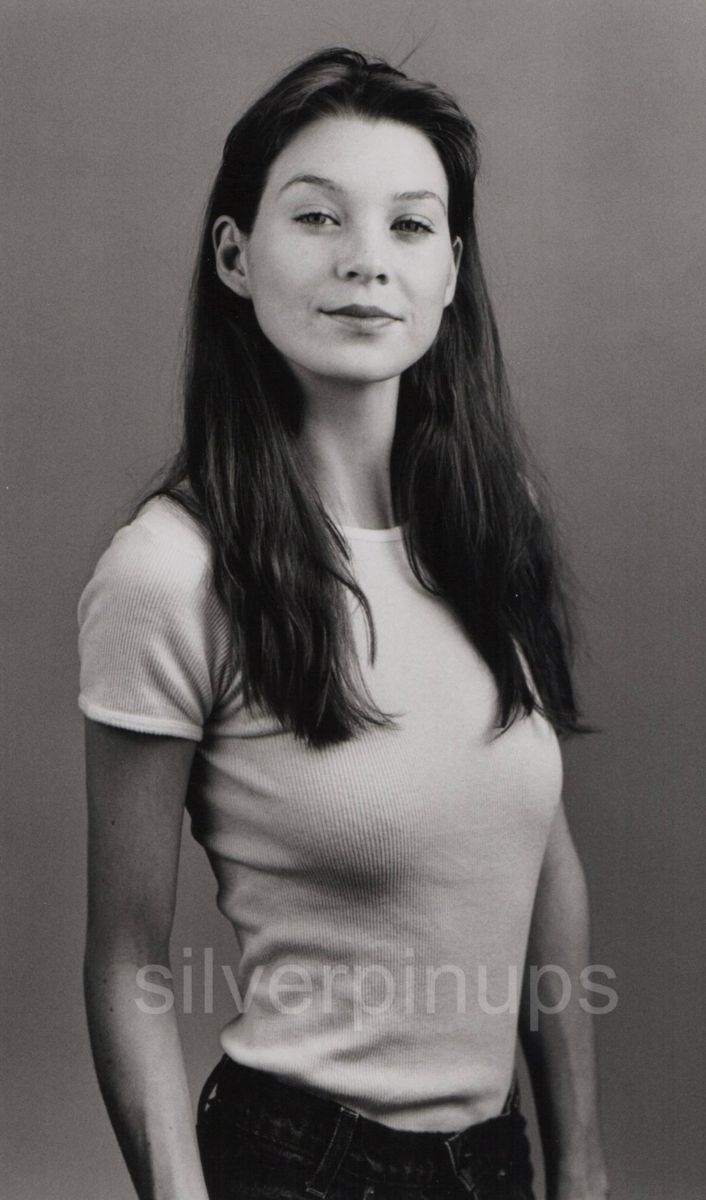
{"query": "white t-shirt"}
[(381, 889)]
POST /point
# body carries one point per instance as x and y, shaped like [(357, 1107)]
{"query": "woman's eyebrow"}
[(419, 196), (330, 186), (316, 180)]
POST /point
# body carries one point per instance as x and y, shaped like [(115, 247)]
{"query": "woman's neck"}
[(345, 442)]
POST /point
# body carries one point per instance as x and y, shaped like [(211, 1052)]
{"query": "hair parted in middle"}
[(476, 530)]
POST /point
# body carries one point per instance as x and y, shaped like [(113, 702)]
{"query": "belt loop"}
[(462, 1174), (334, 1153)]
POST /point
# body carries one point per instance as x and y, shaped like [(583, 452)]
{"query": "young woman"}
[(335, 632)]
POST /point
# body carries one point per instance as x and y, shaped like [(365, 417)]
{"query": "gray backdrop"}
[(591, 114)]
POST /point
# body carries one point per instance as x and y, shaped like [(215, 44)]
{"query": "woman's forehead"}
[(343, 152)]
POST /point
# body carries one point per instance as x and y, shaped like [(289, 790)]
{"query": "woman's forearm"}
[(561, 1061), (559, 1043), (140, 1068)]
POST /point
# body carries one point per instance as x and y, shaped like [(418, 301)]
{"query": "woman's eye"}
[(314, 218), (411, 225)]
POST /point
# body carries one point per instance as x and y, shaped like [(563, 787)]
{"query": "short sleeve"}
[(154, 641)]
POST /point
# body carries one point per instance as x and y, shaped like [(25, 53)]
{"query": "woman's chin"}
[(350, 374)]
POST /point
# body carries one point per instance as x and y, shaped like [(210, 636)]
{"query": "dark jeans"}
[(262, 1139)]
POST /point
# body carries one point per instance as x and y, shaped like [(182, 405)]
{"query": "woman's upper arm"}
[(136, 786), (560, 852), (562, 883)]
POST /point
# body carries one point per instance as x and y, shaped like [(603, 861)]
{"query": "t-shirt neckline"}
[(393, 534)]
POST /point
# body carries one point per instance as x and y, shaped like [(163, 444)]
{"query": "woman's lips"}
[(361, 316), (360, 310)]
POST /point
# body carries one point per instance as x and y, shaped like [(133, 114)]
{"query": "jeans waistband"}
[(329, 1132)]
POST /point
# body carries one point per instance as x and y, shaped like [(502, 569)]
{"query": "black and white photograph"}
[(353, 552)]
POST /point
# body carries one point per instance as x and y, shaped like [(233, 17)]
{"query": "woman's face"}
[(350, 263)]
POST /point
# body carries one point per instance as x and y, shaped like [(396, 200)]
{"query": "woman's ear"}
[(230, 249), (457, 250)]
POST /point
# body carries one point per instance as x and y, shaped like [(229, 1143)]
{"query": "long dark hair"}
[(475, 530)]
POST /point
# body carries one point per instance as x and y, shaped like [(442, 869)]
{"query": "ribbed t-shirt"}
[(381, 889)]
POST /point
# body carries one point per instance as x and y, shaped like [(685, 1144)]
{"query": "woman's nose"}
[(362, 256)]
